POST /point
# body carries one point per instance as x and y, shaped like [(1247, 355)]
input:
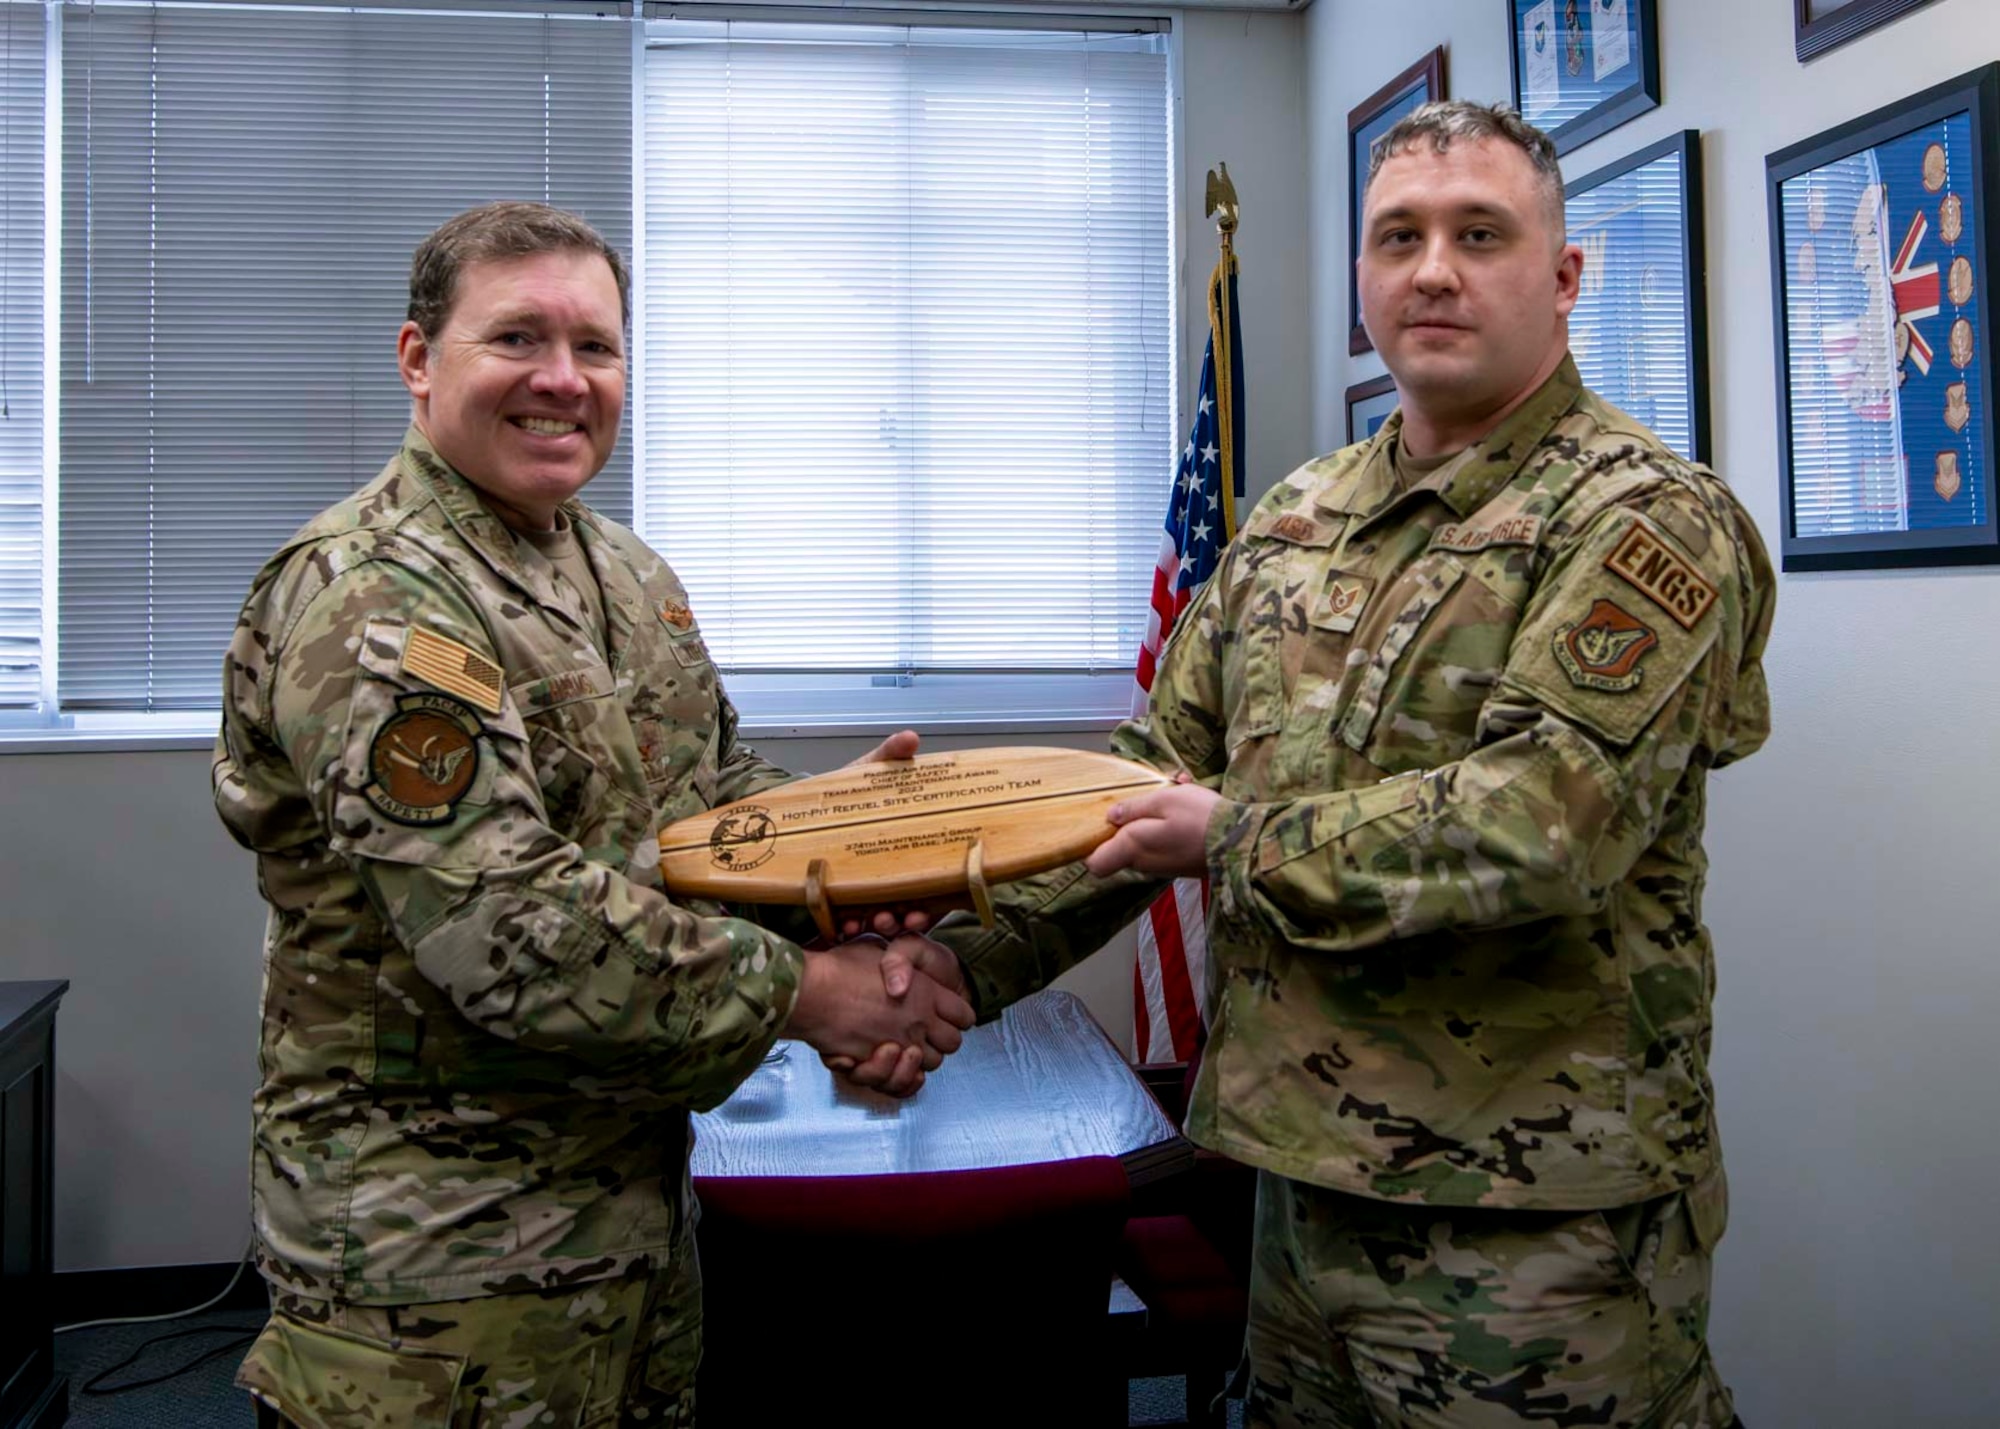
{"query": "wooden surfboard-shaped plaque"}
[(875, 834)]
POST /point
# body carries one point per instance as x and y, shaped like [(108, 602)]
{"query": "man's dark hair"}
[(1444, 121), (509, 229)]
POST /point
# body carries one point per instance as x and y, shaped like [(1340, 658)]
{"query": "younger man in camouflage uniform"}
[(1448, 710), (458, 709)]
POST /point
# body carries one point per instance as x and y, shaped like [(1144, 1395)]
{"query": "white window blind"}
[(242, 189), (1631, 331), (21, 99), (906, 360)]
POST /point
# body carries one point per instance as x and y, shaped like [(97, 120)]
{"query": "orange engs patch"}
[(1602, 651), (423, 759), (1646, 563)]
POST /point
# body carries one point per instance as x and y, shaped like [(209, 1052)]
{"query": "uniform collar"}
[(1477, 474), (486, 534)]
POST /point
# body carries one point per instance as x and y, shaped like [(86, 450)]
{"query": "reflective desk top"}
[(1042, 1084)]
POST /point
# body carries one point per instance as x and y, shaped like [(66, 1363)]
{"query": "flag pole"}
[(1219, 203)]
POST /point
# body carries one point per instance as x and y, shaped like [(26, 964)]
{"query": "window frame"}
[(863, 706)]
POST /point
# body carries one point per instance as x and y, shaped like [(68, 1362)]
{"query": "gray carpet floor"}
[(205, 1398)]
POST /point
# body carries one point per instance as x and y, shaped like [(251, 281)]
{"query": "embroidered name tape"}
[(1469, 536), (1650, 567)]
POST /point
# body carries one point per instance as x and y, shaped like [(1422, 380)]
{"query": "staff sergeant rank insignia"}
[(423, 759), (1602, 651)]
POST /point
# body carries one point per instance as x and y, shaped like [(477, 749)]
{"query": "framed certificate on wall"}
[(1583, 67)]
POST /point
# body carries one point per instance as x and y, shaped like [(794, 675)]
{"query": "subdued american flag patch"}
[(454, 668)]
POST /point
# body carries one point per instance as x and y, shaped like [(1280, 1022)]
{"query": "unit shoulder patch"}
[(423, 759), (1650, 566), (1603, 650), (454, 668)]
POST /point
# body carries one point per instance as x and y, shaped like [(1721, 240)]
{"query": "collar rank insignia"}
[(454, 668), (1602, 651), (423, 760)]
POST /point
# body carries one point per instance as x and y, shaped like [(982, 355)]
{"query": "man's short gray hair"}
[(1444, 121)]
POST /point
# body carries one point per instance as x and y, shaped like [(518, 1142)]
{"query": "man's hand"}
[(892, 1066), (1164, 833), (845, 1013), (900, 745), (902, 917)]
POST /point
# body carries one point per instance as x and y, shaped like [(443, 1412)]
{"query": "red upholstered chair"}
[(952, 1297), (1186, 1255)]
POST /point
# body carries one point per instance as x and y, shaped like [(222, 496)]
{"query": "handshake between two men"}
[(896, 842)]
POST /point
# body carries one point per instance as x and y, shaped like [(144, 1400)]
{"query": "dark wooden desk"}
[(1042, 1084), (32, 1395)]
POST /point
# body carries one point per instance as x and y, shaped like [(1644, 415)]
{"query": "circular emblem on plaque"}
[(422, 760), (1959, 283), (1951, 218), (1934, 167), (743, 838)]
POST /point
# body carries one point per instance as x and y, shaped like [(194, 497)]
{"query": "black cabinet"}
[(31, 1395)]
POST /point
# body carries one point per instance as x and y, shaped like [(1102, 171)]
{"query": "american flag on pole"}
[(1201, 517)]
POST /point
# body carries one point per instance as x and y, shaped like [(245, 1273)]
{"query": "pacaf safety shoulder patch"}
[(423, 759)]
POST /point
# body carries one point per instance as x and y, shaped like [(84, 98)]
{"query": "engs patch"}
[(1602, 651), (423, 759), (1646, 563)]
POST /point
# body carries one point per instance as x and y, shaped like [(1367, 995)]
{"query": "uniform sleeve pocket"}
[(316, 1377)]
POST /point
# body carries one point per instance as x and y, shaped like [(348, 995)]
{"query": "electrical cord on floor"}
[(217, 1299), (242, 1340), (241, 1337)]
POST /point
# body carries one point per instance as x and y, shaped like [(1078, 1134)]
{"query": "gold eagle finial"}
[(1220, 199)]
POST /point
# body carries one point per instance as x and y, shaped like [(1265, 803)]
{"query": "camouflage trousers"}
[(1370, 1315), (607, 1353)]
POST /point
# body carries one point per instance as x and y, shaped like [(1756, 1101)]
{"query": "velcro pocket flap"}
[(321, 1378)]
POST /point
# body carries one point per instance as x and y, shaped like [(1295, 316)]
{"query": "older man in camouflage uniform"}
[(459, 707), (1448, 708)]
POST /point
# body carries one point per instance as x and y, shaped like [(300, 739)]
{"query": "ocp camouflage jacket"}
[(483, 1020), (1463, 735)]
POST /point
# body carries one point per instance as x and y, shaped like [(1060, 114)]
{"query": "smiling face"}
[(523, 384), (1466, 284)]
